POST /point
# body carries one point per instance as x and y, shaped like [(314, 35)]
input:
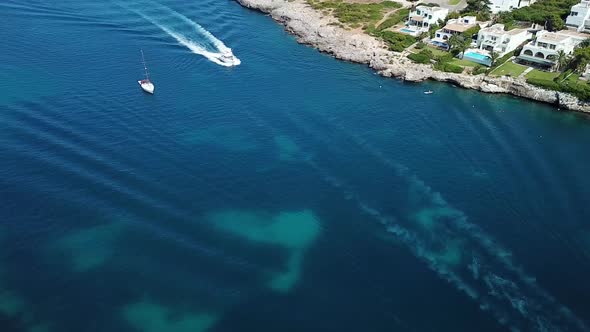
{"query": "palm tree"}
[(581, 67), (453, 42), (494, 57), (465, 43), (569, 60), (562, 59), (459, 43)]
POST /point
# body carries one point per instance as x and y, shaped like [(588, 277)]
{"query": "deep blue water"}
[(291, 193)]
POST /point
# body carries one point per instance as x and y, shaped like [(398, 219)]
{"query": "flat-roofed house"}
[(422, 17), (453, 27), (495, 39), (579, 17), (544, 48), (497, 6)]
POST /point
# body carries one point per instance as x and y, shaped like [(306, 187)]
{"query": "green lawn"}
[(509, 68), (463, 62), (542, 75), (573, 78), (454, 2), (437, 51), (572, 84)]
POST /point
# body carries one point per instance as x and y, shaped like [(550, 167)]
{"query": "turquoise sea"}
[(293, 192)]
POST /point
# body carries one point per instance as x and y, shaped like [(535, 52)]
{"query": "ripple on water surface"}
[(239, 186)]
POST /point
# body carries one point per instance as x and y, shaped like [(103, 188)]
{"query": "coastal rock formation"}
[(311, 28)]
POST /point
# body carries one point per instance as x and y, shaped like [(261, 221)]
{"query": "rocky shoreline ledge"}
[(312, 29)]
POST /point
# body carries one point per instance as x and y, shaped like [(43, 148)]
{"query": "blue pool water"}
[(293, 192), (407, 30), (477, 56)]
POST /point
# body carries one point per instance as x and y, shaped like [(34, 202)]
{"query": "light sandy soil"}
[(445, 4)]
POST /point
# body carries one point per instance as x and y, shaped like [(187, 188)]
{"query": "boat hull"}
[(147, 87), (230, 61)]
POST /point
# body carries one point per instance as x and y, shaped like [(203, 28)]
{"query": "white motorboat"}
[(145, 84), (228, 58), (429, 92)]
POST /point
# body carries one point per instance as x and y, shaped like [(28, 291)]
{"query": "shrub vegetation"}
[(394, 19), (567, 81), (423, 56), (396, 41), (355, 12), (550, 12), (448, 67), (479, 70)]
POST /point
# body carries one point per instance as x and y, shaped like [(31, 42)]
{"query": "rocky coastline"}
[(312, 29)]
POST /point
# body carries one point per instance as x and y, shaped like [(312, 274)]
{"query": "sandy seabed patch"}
[(293, 230), (149, 316)]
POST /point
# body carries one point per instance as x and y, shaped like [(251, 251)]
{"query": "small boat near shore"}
[(429, 92), (145, 84)]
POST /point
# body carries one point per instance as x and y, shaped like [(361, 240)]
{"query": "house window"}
[(425, 24), (574, 14), (418, 12), (551, 46), (438, 35), (430, 17), (528, 52), (494, 38)]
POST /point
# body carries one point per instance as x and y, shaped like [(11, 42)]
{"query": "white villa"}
[(579, 17), (502, 42), (422, 17), (453, 27), (544, 48), (507, 5)]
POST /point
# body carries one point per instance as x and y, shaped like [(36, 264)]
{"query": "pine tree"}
[(554, 22), (481, 7)]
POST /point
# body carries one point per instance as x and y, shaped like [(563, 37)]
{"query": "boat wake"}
[(457, 250), (188, 33)]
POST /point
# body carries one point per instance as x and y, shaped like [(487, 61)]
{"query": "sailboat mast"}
[(147, 77)]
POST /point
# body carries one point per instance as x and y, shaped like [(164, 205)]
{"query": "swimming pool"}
[(407, 30), (477, 56)]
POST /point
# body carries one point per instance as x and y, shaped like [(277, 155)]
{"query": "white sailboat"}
[(145, 84)]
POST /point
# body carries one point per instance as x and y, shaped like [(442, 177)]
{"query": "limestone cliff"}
[(312, 29)]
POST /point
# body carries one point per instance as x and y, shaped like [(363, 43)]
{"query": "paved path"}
[(529, 69), (386, 16)]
